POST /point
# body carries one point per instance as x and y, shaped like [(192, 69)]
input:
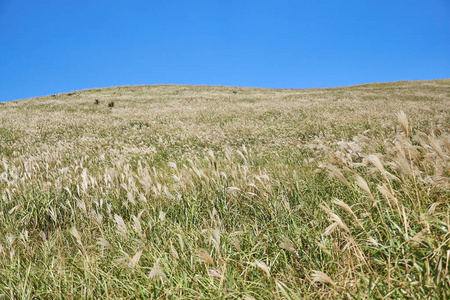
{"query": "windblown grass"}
[(220, 192)]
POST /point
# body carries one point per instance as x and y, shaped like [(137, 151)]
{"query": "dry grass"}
[(221, 192)]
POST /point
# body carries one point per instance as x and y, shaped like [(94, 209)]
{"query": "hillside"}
[(227, 192)]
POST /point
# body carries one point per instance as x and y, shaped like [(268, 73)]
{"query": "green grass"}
[(198, 192)]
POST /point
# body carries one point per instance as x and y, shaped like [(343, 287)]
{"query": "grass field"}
[(198, 192)]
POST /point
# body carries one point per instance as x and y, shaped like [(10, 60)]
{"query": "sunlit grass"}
[(223, 192)]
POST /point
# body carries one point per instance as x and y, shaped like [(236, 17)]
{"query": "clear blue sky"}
[(54, 46)]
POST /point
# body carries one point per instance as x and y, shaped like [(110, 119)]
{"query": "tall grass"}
[(255, 200)]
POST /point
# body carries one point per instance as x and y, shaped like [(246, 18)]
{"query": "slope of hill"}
[(228, 192)]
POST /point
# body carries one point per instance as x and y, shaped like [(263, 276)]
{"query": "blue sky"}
[(55, 46)]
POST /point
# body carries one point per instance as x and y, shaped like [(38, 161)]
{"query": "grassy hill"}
[(203, 192)]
